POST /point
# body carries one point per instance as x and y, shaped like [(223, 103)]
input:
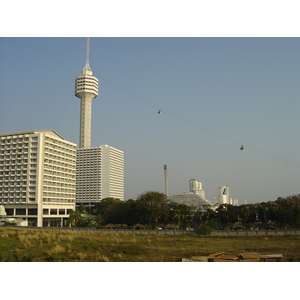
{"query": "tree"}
[(197, 218), (154, 207), (108, 209), (87, 220), (181, 215), (74, 217)]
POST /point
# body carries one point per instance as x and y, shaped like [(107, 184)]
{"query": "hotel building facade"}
[(100, 174), (37, 177)]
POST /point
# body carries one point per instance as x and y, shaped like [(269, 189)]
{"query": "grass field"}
[(82, 246)]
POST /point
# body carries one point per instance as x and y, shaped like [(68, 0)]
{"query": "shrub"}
[(204, 230)]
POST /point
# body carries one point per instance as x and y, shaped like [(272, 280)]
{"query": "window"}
[(9, 211), (53, 211), (32, 211), (21, 211)]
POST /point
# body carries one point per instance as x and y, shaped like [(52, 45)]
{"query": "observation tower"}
[(86, 88)]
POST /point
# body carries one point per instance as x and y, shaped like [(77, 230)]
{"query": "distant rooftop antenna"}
[(166, 179), (87, 70)]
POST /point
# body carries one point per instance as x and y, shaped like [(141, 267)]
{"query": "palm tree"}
[(74, 217)]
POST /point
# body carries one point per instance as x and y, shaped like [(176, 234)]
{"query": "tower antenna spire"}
[(87, 70), (87, 56)]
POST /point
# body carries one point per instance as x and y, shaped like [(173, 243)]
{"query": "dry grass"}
[(4, 235), (56, 245), (80, 256), (57, 249)]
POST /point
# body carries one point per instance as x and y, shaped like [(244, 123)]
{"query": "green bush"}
[(204, 230), (9, 224)]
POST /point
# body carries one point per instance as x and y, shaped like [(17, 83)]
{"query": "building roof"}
[(32, 132), (49, 132)]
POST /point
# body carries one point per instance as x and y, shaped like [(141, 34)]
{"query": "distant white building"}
[(37, 177), (224, 196), (196, 187), (100, 174), (196, 196)]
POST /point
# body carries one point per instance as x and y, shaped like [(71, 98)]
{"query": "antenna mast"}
[(87, 70), (87, 56), (166, 179)]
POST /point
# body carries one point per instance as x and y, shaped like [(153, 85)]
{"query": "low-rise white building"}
[(196, 196), (191, 200), (37, 177)]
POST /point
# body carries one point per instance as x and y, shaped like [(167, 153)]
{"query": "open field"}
[(82, 246)]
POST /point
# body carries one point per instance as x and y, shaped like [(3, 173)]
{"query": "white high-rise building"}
[(100, 174), (196, 187), (223, 194), (86, 88), (37, 177)]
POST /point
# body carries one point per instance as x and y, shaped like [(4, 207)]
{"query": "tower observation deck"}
[(86, 88)]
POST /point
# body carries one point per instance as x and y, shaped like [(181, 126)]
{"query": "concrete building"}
[(37, 177), (196, 188), (100, 174), (196, 196), (224, 196)]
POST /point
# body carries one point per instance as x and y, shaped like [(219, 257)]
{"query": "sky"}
[(215, 94)]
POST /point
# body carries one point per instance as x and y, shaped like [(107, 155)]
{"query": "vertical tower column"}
[(85, 122)]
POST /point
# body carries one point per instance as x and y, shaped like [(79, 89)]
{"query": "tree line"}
[(152, 209)]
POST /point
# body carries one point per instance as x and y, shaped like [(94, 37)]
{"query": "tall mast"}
[(87, 70), (87, 56)]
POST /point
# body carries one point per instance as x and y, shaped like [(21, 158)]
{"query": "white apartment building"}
[(37, 177), (99, 175)]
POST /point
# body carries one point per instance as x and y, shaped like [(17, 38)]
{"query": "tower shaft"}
[(85, 122)]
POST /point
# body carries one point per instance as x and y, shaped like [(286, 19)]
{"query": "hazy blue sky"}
[(214, 93)]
